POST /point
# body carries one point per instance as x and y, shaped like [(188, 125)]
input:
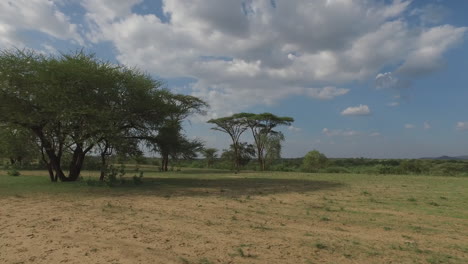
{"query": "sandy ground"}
[(217, 226)]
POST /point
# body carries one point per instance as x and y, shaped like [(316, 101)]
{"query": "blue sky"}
[(378, 79)]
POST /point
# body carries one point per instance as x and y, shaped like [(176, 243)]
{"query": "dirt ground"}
[(315, 224)]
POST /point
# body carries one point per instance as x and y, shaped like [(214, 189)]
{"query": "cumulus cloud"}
[(360, 110), (40, 15), (267, 51), (257, 51), (409, 126), (431, 45), (462, 125)]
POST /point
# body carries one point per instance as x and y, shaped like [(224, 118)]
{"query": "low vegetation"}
[(216, 216)]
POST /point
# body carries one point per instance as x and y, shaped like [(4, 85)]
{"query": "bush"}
[(13, 172), (384, 169), (336, 170), (313, 161)]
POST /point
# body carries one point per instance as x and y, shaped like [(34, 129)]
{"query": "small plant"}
[(137, 180), (204, 261), (325, 219), (321, 246), (184, 261), (412, 199), (114, 176), (13, 172)]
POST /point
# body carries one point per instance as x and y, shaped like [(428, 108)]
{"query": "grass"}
[(358, 218)]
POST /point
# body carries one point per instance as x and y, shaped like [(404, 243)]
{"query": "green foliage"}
[(314, 161), (246, 153), (13, 172), (17, 144), (210, 156), (336, 169), (75, 104)]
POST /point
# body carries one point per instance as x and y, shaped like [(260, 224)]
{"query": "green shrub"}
[(336, 170), (314, 161), (13, 172), (383, 169)]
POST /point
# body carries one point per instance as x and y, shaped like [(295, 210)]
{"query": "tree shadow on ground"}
[(234, 187)]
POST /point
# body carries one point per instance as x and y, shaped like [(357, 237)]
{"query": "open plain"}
[(208, 216)]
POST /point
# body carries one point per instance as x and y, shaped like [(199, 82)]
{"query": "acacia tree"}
[(261, 126), (73, 102), (210, 155), (246, 152), (234, 126), (170, 141), (273, 148)]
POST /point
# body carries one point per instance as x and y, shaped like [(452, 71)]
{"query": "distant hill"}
[(449, 158)]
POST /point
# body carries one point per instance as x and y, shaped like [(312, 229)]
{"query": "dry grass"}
[(203, 217)]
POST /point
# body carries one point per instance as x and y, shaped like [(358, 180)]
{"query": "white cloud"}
[(260, 53), (462, 125), (294, 129), (252, 52), (431, 45), (325, 93), (385, 80), (360, 110), (340, 132), (430, 14), (393, 104), (374, 134), (427, 125), (41, 15), (409, 126)]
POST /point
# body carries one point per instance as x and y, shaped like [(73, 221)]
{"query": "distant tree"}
[(210, 156), (261, 126), (273, 148), (170, 141), (245, 153), (313, 161), (234, 126)]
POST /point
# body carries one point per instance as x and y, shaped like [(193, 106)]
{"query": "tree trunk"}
[(166, 162), (236, 157), (51, 173), (103, 166), (261, 162), (76, 164)]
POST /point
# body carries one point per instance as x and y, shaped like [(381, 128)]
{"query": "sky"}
[(361, 78)]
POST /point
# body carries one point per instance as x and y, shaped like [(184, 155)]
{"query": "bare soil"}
[(311, 223)]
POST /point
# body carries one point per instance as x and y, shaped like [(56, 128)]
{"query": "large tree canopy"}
[(73, 102)]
